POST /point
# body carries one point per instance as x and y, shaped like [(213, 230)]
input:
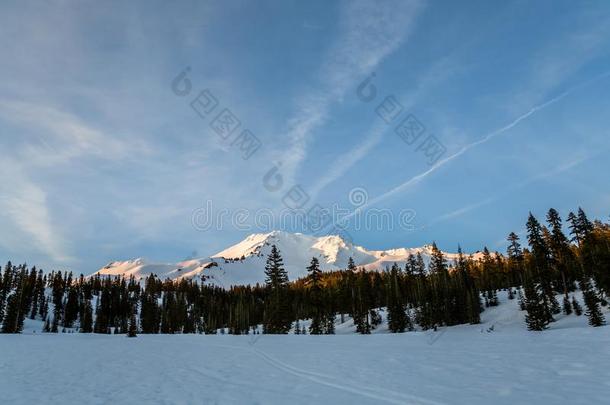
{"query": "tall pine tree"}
[(277, 312)]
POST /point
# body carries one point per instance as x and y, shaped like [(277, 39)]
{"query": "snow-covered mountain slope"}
[(244, 262), (140, 268)]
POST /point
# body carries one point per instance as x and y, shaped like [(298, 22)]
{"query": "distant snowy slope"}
[(140, 269), (244, 262)]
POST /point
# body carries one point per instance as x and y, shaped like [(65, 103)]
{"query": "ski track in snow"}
[(383, 395), (324, 379)]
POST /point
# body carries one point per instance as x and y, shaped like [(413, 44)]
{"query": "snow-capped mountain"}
[(244, 262)]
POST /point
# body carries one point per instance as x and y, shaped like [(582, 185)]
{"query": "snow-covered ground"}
[(470, 364)]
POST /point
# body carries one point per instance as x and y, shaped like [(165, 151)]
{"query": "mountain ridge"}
[(244, 262)]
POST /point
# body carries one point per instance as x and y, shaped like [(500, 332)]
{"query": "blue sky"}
[(102, 161)]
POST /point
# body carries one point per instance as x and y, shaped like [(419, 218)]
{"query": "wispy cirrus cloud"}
[(51, 138), (440, 72), (55, 135), (561, 168), (368, 33), (26, 218), (443, 162), (549, 68), (344, 162), (563, 57)]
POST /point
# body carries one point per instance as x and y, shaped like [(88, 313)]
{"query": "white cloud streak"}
[(24, 207), (550, 173), (550, 68), (343, 163), (422, 176), (370, 31), (60, 138), (440, 71)]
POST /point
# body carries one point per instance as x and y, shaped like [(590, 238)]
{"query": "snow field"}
[(474, 364)]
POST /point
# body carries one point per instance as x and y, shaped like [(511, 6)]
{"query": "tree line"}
[(428, 295)]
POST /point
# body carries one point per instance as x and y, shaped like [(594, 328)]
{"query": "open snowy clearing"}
[(464, 364), (560, 366)]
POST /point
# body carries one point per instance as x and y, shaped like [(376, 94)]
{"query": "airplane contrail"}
[(554, 171), (416, 179)]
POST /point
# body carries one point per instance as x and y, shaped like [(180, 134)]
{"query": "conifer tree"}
[(10, 322), (420, 265), (438, 264), (329, 302), (470, 300), (593, 312), (561, 254), (47, 326), (397, 317), (514, 248), (277, 277), (314, 276), (37, 296), (538, 317), (576, 306), (521, 300), (5, 287), (567, 307), (55, 325), (541, 265), (150, 316), (351, 266), (86, 321), (346, 291), (515, 259), (132, 326), (575, 230), (297, 328), (440, 297), (44, 307), (362, 304), (329, 324), (585, 226), (277, 316), (71, 307), (101, 319), (14, 313)]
